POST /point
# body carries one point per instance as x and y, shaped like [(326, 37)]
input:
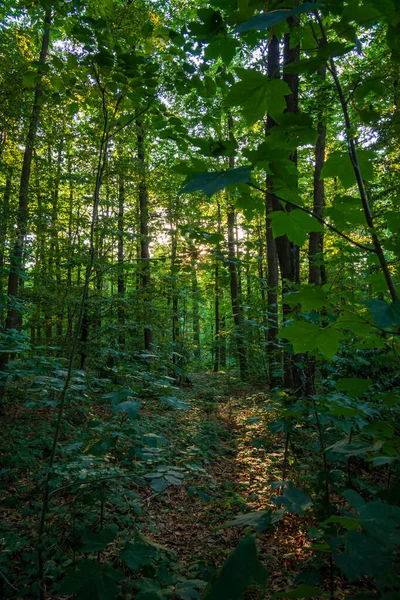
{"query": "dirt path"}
[(236, 480)]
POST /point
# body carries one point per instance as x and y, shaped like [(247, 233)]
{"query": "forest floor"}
[(247, 462), (230, 459)]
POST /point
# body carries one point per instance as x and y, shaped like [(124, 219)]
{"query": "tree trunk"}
[(16, 259), (316, 241), (217, 355), (195, 304), (144, 266), (4, 223), (237, 311), (271, 204), (120, 259)]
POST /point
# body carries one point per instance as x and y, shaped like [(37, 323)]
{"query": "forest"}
[(200, 319)]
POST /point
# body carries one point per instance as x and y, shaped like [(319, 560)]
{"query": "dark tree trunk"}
[(4, 223), (237, 311), (195, 304), (120, 258), (217, 355), (271, 204), (316, 241), (16, 259), (144, 236)]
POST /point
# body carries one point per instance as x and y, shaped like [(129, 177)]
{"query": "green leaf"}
[(241, 569), (175, 402), (211, 183), (92, 580), (224, 48), (339, 165), (309, 297), (296, 224), (95, 541), (30, 79), (260, 519), (130, 407), (384, 314), (353, 386), (294, 500), (137, 555), (303, 591), (266, 20), (257, 94), (346, 522), (306, 337)]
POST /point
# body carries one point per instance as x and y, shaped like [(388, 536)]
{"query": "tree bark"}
[(16, 259), (317, 274), (144, 266), (271, 204), (120, 259), (237, 311)]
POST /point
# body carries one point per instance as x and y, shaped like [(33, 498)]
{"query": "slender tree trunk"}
[(316, 241), (120, 258), (217, 355), (144, 237), (4, 223), (317, 274), (271, 204), (16, 259), (237, 311), (70, 249), (195, 304)]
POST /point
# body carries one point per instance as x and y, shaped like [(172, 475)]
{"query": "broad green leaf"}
[(138, 555), (94, 541), (346, 522), (306, 337), (175, 402), (294, 500), (309, 297), (303, 591), (353, 386), (257, 94), (339, 165), (241, 569), (130, 407), (211, 183), (296, 224), (30, 79), (266, 20), (384, 314), (224, 48), (260, 519), (92, 580)]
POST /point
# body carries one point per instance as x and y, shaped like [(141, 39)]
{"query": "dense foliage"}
[(186, 189)]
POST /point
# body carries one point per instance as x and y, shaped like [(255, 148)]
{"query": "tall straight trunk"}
[(237, 311), (217, 297), (120, 259), (195, 303), (60, 311), (16, 259), (288, 252), (70, 249), (217, 355), (317, 274), (4, 222), (272, 204), (54, 274), (144, 236), (175, 331)]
